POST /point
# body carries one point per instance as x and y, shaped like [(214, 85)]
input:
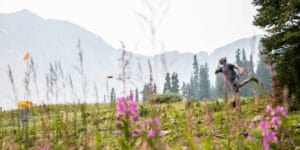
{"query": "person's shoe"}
[(254, 79)]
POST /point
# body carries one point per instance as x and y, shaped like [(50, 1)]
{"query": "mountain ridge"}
[(52, 41)]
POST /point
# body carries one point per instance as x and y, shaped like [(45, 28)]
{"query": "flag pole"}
[(26, 57)]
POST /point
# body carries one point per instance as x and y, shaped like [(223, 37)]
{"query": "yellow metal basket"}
[(25, 103)]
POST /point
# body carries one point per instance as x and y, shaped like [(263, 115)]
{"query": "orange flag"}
[(26, 56)]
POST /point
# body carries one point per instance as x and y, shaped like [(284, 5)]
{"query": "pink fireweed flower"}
[(121, 100), (269, 108), (131, 96), (273, 112), (151, 133), (133, 106), (42, 148), (196, 141), (116, 132), (250, 137), (119, 123), (147, 122), (251, 125), (135, 133), (120, 107), (128, 108), (275, 128), (128, 111), (156, 121), (281, 110), (121, 104), (275, 120), (136, 118), (118, 116), (264, 124), (272, 136), (266, 144)]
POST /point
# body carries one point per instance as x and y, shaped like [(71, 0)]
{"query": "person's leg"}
[(233, 97), (235, 90), (244, 82), (248, 80)]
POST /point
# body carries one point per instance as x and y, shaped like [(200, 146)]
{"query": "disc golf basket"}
[(24, 107)]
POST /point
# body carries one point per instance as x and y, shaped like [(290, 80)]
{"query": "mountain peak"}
[(25, 13)]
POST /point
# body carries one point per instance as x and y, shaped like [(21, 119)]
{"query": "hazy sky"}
[(188, 26)]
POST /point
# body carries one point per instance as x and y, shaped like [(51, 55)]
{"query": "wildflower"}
[(121, 103), (119, 123), (136, 118), (133, 106), (250, 137), (121, 100), (135, 133), (151, 133), (266, 144), (118, 116), (269, 108), (272, 112), (128, 111), (272, 136), (264, 124), (156, 121), (275, 120), (251, 125), (131, 96), (42, 148), (116, 132), (281, 110), (196, 141)]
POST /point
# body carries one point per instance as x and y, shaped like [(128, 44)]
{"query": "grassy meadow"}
[(208, 124)]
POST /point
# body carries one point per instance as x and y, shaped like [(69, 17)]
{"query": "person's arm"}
[(239, 69), (218, 70)]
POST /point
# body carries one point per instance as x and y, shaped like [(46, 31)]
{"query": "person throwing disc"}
[(233, 77)]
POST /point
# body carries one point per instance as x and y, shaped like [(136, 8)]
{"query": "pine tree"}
[(192, 93), (154, 89), (167, 85), (244, 89), (146, 92), (238, 57), (204, 82), (175, 83), (251, 67), (219, 85), (136, 94), (196, 78), (263, 73), (244, 59), (184, 90), (281, 20)]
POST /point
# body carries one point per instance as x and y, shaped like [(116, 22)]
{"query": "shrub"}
[(166, 98)]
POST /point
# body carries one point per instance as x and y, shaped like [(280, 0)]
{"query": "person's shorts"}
[(235, 85)]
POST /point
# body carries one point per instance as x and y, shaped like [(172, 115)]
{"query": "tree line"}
[(200, 86)]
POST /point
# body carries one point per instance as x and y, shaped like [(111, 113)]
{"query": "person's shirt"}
[(229, 72)]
